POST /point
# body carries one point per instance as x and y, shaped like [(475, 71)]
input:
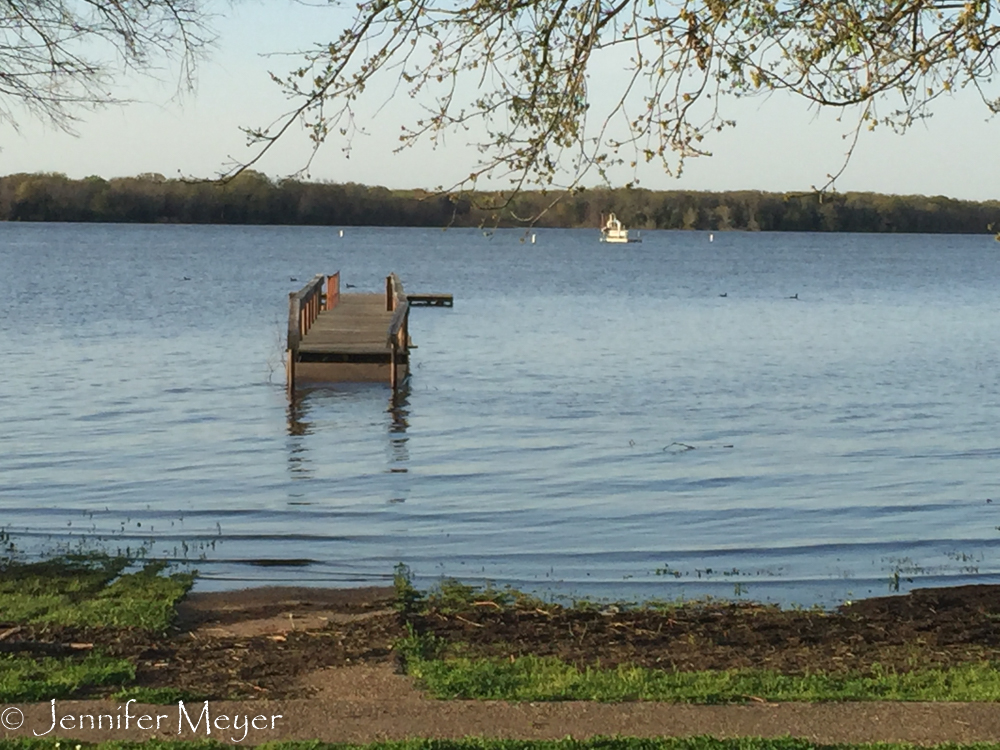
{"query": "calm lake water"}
[(587, 420)]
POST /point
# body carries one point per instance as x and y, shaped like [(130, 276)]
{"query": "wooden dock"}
[(334, 337)]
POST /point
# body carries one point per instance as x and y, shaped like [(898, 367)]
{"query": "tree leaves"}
[(514, 75)]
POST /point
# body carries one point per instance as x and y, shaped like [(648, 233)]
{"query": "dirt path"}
[(371, 703)]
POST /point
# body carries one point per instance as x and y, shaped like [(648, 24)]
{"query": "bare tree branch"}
[(58, 57)]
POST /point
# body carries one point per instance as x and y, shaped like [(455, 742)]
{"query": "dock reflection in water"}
[(318, 425), (299, 428), (399, 452)]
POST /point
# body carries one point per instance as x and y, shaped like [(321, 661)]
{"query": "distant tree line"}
[(253, 198), (250, 198)]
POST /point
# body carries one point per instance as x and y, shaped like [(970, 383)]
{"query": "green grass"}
[(450, 596), (90, 590), (23, 678), (532, 678), (478, 743)]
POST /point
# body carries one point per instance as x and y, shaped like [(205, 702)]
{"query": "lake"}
[(654, 420)]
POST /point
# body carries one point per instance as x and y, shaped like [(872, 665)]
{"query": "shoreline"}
[(361, 696)]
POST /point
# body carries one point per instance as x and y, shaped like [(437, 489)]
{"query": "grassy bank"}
[(469, 643), (51, 613), (532, 678), (90, 591)]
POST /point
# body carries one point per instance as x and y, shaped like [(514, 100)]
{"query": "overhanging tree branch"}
[(515, 75)]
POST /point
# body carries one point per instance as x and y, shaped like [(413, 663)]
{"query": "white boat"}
[(613, 231)]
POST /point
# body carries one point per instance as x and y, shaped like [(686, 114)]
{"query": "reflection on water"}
[(303, 436), (399, 454), (298, 429), (569, 426)]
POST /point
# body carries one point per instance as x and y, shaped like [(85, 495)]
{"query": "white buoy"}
[(532, 239), (711, 237), (341, 232)]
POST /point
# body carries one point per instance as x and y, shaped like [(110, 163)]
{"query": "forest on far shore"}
[(253, 198)]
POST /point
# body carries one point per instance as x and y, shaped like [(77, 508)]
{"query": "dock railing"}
[(304, 307), (399, 325)]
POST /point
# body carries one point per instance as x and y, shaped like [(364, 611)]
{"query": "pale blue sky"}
[(778, 143)]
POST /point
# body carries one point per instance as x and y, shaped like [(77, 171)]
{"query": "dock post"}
[(332, 290), (294, 337)]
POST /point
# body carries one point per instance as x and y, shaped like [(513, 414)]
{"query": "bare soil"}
[(929, 627)]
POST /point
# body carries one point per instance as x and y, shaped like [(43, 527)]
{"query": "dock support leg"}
[(294, 337), (393, 376)]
